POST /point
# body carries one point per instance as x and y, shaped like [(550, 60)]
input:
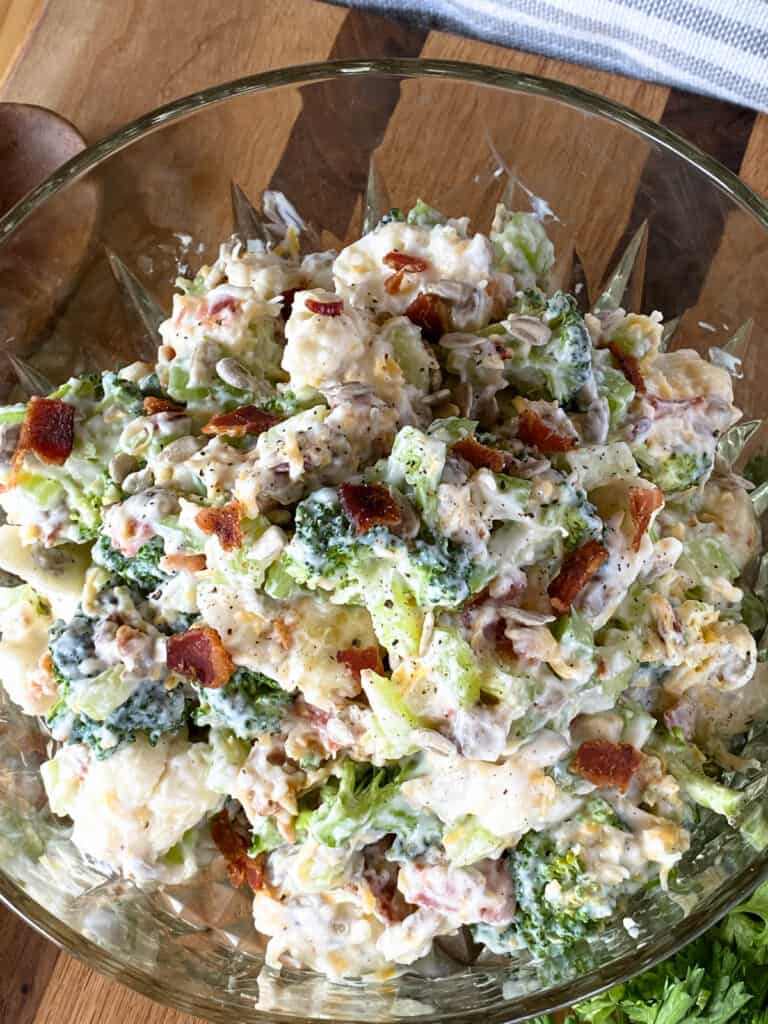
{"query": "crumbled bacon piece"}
[(181, 562), (330, 307), (154, 405), (577, 570), (534, 431), (402, 261), (222, 304), (248, 419), (225, 523), (480, 455), (48, 430), (430, 313), (369, 505), (200, 654), (357, 659), (234, 848), (393, 282), (288, 295), (607, 764), (629, 366), (643, 502)]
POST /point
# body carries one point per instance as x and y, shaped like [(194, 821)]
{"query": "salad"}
[(416, 587)]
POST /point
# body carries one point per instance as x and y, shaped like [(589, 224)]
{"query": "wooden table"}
[(80, 58)]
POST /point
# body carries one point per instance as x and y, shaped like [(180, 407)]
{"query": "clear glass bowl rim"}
[(740, 194)]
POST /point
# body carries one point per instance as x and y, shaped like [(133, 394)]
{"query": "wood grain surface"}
[(102, 63)]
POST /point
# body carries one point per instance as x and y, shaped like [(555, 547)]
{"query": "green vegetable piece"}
[(250, 704), (424, 215), (364, 799), (557, 370), (521, 247), (142, 570)]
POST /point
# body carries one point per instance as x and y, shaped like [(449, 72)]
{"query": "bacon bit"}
[(288, 295), (393, 282), (200, 654), (357, 659), (643, 502), (183, 563), (480, 455), (607, 764), (48, 430), (225, 523), (402, 261), (629, 366), (234, 848), (577, 570), (154, 405), (369, 505), (532, 430), (167, 352), (248, 419), (430, 313), (226, 302), (333, 307)]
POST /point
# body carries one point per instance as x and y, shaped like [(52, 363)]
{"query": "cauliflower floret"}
[(57, 574), (295, 643), (328, 932), (267, 784), (24, 624), (323, 350), (444, 250), (265, 272), (315, 448), (507, 799), (131, 808), (718, 654), (683, 374)]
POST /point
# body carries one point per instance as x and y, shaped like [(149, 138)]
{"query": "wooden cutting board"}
[(101, 63)]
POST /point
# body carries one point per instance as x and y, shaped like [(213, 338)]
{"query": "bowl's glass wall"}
[(162, 203)]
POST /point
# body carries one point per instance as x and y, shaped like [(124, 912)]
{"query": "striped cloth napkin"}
[(719, 47)]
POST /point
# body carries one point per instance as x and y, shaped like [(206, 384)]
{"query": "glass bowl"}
[(157, 194)]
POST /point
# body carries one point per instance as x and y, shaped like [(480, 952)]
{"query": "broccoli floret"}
[(141, 571), (326, 553), (558, 369), (576, 517), (250, 704), (553, 895), (614, 387), (288, 403), (685, 761), (677, 471), (70, 644), (365, 799), (395, 214), (424, 215), (521, 247), (265, 837), (531, 302), (440, 572), (324, 545), (151, 710)]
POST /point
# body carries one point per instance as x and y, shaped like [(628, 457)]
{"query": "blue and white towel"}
[(719, 47)]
